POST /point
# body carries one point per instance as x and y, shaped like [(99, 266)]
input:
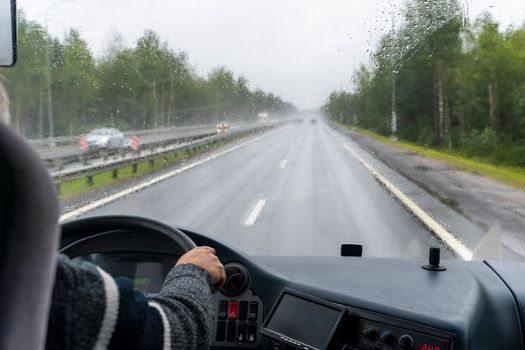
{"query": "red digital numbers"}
[(429, 347)]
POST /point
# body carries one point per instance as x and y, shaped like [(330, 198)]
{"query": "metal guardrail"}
[(59, 141), (58, 163), (71, 140), (154, 151)]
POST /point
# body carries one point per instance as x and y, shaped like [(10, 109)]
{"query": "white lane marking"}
[(103, 201), (282, 164), (455, 244), (255, 212)]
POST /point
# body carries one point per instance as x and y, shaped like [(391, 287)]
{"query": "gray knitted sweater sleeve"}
[(91, 310), (185, 298)]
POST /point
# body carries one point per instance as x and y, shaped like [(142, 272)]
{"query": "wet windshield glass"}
[(284, 127)]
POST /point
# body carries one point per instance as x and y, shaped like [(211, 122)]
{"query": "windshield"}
[(284, 127)]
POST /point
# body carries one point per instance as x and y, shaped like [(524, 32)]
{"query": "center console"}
[(300, 321), (237, 311), (236, 321)]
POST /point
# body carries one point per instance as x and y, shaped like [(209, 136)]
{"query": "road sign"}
[(135, 143), (83, 144)]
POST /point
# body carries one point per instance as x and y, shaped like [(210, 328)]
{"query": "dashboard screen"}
[(303, 320), (147, 271)]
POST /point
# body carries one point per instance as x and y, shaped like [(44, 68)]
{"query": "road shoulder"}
[(479, 200)]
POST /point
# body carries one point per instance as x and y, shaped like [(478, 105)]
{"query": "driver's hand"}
[(205, 257)]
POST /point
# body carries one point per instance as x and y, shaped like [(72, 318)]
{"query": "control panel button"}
[(221, 331), (231, 327), (231, 331), (241, 332), (233, 310), (223, 310), (387, 337), (243, 310), (406, 342), (381, 336), (251, 335), (254, 310)]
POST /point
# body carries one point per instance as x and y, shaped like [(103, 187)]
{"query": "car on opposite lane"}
[(105, 138)]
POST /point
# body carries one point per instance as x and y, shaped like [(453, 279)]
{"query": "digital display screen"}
[(304, 320), (146, 271)]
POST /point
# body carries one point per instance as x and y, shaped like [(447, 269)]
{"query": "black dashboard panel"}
[(394, 304), (467, 300), (467, 304)]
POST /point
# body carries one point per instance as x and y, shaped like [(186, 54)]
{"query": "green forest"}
[(442, 80), (145, 86)]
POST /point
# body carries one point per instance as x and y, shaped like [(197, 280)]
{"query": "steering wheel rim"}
[(76, 230)]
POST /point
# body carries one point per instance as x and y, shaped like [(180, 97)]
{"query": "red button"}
[(233, 310)]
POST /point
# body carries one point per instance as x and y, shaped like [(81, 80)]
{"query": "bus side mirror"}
[(7, 33)]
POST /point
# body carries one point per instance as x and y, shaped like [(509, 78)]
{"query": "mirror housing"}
[(7, 33)]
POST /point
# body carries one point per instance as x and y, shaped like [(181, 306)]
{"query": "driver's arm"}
[(91, 310)]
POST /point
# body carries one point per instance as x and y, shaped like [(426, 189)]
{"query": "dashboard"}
[(335, 303), (146, 271)]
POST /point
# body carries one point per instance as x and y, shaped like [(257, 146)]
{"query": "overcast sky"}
[(300, 50)]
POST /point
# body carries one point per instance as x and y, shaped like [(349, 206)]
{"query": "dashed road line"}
[(250, 220), (283, 163), (452, 242)]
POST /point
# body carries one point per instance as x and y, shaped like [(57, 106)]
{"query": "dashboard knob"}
[(233, 281), (406, 342), (387, 337), (237, 280), (434, 259), (278, 346), (370, 333)]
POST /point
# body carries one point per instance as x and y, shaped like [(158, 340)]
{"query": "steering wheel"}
[(122, 233)]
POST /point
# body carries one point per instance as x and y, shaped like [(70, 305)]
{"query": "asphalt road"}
[(294, 191)]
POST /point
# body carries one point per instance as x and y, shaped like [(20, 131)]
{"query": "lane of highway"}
[(146, 137), (296, 191)]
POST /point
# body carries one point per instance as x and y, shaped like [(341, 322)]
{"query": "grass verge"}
[(71, 189), (509, 175)]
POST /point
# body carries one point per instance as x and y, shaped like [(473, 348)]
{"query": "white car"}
[(105, 138)]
